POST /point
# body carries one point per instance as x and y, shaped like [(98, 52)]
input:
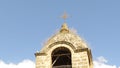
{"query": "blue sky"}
[(26, 24)]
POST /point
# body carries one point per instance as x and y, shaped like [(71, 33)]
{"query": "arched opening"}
[(61, 58)]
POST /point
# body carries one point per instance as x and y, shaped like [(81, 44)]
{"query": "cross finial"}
[(65, 16)]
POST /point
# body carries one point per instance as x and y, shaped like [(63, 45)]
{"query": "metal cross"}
[(65, 16)]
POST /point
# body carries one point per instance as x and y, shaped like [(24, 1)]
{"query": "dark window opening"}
[(61, 58)]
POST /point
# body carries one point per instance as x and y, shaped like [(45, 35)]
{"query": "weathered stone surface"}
[(80, 53)]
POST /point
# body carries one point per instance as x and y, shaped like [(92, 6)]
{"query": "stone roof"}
[(65, 35)]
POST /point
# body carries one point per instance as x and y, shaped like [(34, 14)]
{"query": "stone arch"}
[(61, 58), (62, 42)]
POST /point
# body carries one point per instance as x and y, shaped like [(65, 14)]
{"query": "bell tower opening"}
[(65, 49), (61, 58)]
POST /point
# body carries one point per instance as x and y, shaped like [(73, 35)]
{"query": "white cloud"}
[(23, 64), (101, 59), (100, 62)]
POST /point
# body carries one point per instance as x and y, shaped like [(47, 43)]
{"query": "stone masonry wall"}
[(43, 61), (80, 60)]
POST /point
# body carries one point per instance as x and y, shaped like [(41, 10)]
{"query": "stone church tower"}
[(65, 49)]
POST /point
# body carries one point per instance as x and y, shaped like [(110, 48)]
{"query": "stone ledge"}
[(40, 54), (81, 50)]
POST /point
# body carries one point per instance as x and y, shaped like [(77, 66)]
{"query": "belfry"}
[(65, 49)]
